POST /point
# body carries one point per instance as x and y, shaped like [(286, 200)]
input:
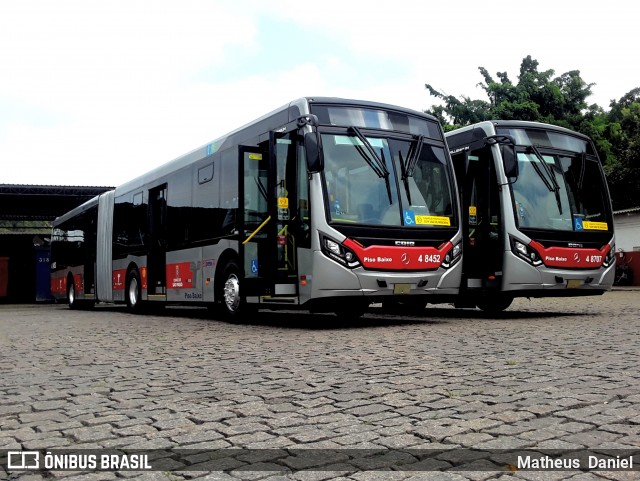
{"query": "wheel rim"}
[(133, 292), (72, 294), (232, 293)]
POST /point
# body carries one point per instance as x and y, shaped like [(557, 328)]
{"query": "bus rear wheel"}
[(71, 294), (133, 292)]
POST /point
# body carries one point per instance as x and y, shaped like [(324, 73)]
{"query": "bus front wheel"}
[(230, 294), (494, 303), (351, 311), (410, 307)]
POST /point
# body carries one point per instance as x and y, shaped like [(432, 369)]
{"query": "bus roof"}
[(76, 210), (249, 133), (489, 126), (478, 131)]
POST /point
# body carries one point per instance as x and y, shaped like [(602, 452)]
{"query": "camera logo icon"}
[(23, 460)]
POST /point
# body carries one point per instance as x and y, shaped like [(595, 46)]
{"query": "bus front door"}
[(268, 244), (482, 263)]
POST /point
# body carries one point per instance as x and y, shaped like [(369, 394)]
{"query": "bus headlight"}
[(610, 257), (525, 252), (452, 256), (338, 252)]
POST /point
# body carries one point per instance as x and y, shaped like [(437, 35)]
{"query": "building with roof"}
[(627, 228), (26, 213)]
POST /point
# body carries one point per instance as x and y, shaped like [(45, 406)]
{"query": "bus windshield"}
[(389, 182), (559, 191)]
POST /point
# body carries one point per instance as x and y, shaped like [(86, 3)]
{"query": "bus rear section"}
[(73, 255), (537, 218)]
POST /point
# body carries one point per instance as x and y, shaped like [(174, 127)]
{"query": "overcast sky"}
[(95, 93)]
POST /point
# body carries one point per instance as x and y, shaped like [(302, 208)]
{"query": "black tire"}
[(494, 303), (413, 307), (351, 311), (72, 299), (133, 292), (233, 307)]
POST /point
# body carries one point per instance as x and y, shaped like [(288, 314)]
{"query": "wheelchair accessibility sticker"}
[(577, 223), (410, 218)]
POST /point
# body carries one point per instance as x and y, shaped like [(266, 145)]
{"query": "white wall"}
[(627, 229)]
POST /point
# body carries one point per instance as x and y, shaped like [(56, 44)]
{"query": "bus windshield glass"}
[(389, 182), (560, 184)]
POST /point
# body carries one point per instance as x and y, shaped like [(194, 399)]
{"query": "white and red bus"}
[(325, 204), (536, 213)]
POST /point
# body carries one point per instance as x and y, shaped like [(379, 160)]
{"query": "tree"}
[(623, 172), (559, 100), (537, 96)]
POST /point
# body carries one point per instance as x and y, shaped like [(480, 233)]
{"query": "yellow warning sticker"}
[(432, 220), (283, 202), (594, 225), (473, 210), (255, 156)]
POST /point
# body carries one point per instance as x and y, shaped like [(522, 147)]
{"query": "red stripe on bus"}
[(399, 258), (571, 257)]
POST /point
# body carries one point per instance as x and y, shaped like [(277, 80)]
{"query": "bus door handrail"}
[(257, 230)]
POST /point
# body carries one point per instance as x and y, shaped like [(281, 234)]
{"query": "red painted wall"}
[(632, 259)]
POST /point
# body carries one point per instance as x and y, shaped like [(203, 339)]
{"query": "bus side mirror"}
[(312, 148), (509, 160)]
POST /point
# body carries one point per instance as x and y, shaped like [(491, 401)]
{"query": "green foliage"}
[(559, 100)]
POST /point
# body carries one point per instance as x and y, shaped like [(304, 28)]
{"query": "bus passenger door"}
[(255, 252), (285, 209), (156, 260), (268, 244), (482, 228)]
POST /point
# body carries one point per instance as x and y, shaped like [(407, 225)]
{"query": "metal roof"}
[(627, 211), (42, 202)]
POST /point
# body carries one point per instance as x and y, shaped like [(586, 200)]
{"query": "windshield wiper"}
[(550, 182), (414, 155), (376, 163), (409, 166), (583, 167), (405, 177)]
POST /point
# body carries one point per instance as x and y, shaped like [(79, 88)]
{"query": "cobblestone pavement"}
[(549, 374)]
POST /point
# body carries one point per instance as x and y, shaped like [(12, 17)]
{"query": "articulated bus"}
[(325, 204), (536, 213)]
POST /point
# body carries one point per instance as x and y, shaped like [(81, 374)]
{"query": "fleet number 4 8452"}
[(429, 258)]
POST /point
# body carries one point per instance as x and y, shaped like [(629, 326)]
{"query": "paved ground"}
[(551, 374)]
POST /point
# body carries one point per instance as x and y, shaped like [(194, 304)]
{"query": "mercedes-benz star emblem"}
[(405, 259)]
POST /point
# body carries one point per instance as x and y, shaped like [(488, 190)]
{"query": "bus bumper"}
[(380, 284), (550, 281)]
